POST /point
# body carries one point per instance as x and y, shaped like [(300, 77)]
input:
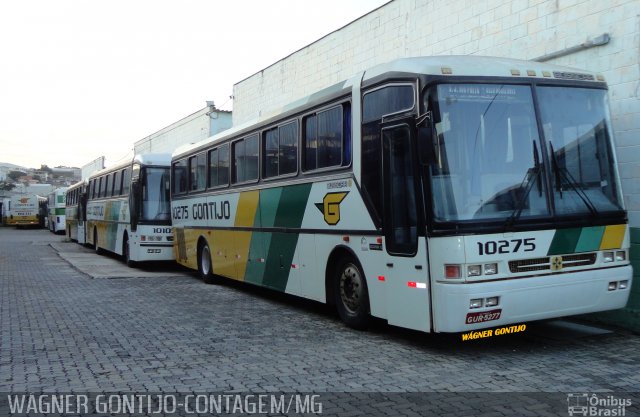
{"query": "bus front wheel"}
[(126, 252), (351, 294), (205, 266)]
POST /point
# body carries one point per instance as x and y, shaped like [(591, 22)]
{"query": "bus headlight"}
[(492, 301), (621, 255), (491, 269), (607, 256), (475, 303), (474, 270)]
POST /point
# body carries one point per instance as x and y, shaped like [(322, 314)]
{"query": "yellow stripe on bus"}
[(613, 237)]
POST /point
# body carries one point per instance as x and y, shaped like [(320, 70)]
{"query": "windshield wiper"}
[(532, 176), (563, 172)]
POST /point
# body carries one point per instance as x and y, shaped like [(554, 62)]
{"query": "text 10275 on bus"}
[(442, 194), (128, 209)]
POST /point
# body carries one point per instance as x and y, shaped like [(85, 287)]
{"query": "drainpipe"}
[(589, 43)]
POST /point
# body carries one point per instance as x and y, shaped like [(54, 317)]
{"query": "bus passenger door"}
[(405, 256)]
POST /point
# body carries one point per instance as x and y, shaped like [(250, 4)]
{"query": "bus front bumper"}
[(522, 300)]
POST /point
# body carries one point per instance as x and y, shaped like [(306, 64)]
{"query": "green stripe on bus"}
[(564, 241), (59, 211), (590, 238), (280, 247)]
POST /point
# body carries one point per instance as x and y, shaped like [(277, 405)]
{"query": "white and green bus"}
[(128, 209), (56, 203), (442, 194), (76, 212)]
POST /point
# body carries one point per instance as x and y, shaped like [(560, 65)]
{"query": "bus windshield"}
[(489, 162), (577, 126), (156, 203)]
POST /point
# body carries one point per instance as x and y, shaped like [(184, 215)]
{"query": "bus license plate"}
[(482, 316)]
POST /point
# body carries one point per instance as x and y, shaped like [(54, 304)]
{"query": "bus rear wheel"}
[(205, 266), (98, 249), (351, 294)]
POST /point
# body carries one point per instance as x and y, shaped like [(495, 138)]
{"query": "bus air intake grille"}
[(544, 264), (529, 265), (581, 259)]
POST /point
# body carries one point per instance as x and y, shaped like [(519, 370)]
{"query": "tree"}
[(6, 186), (14, 175)]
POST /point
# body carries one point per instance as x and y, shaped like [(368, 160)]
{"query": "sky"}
[(82, 79)]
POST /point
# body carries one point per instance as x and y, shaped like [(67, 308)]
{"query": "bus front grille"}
[(544, 264)]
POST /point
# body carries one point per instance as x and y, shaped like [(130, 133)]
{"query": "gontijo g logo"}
[(330, 207)]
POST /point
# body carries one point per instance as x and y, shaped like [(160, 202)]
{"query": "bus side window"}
[(117, 183), (126, 181), (376, 104), (326, 140), (197, 172), (179, 177), (245, 159)]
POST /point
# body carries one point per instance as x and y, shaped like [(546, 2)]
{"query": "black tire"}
[(126, 253), (98, 249), (205, 265), (351, 294)]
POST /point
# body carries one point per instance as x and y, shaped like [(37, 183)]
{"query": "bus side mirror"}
[(426, 150)]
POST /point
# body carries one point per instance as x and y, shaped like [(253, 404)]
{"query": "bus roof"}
[(156, 159), (479, 66), (445, 65)]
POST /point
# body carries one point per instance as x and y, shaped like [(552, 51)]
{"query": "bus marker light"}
[(490, 269), (621, 255), (422, 285), (345, 239), (411, 284), (607, 256), (613, 285), (475, 303), (491, 301), (379, 241), (622, 285), (380, 277), (452, 271), (446, 70), (474, 270), (294, 266)]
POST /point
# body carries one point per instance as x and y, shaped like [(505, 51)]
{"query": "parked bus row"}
[(441, 194)]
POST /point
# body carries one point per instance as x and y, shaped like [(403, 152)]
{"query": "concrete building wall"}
[(523, 29), (193, 128)]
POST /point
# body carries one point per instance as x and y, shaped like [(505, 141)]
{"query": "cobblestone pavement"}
[(62, 331)]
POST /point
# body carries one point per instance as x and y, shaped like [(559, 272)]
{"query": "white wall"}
[(193, 128), (524, 29)]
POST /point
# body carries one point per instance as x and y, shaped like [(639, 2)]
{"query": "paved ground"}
[(62, 330)]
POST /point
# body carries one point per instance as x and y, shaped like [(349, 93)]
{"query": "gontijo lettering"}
[(494, 332)]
